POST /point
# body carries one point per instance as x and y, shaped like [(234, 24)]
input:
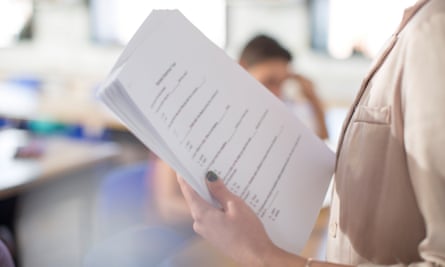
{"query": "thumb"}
[(218, 190)]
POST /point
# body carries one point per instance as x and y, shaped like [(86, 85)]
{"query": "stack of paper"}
[(198, 110)]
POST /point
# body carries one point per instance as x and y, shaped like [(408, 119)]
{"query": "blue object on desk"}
[(26, 82), (74, 131), (3, 122), (44, 127), (78, 131)]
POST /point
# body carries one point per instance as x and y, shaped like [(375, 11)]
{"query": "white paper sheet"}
[(199, 110)]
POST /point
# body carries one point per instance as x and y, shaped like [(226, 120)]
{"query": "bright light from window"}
[(117, 20), (14, 15), (362, 25)]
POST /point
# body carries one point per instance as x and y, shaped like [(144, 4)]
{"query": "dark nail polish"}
[(211, 176)]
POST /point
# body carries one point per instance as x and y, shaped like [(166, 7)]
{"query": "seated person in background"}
[(268, 62)]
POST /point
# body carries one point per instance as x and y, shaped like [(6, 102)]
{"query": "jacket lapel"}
[(408, 14)]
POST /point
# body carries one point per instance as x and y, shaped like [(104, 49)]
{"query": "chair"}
[(140, 246), (123, 198), (128, 236), (5, 256)]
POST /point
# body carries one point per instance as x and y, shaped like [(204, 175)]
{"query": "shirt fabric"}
[(388, 205)]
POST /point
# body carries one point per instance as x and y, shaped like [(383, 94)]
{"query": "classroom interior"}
[(72, 175)]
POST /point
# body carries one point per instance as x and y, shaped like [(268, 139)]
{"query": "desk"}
[(60, 155)]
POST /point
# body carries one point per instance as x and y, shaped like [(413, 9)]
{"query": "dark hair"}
[(262, 48)]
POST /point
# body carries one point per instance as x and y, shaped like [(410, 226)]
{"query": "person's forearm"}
[(317, 106), (315, 263), (320, 117), (279, 257), (322, 129)]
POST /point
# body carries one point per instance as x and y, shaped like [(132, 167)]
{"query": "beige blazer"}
[(388, 206)]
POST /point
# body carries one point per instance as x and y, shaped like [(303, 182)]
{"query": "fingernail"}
[(211, 176)]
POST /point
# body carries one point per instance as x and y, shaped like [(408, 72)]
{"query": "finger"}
[(196, 203), (219, 190)]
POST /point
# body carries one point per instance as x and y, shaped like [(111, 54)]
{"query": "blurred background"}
[(61, 150)]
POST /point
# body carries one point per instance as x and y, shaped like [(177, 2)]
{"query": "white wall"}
[(63, 51), (61, 46), (286, 21)]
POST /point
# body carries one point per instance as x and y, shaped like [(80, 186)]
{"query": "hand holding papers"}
[(198, 110)]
